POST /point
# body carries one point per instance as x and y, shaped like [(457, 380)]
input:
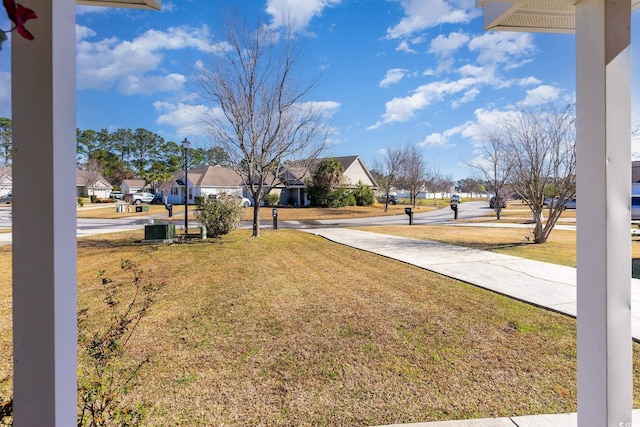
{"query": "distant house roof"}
[(295, 173), (84, 178), (134, 182), (212, 176)]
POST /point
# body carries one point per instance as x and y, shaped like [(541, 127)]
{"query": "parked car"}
[(141, 197), (493, 204), (6, 199), (455, 198), (117, 195), (567, 203), (157, 200), (393, 199), (244, 202)]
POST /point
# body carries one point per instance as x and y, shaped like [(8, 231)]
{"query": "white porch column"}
[(604, 188), (44, 218)]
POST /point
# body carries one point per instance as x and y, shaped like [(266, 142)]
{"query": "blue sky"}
[(392, 72)]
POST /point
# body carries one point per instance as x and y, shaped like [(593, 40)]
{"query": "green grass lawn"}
[(290, 329)]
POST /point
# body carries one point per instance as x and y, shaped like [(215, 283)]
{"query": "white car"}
[(244, 202), (139, 198)]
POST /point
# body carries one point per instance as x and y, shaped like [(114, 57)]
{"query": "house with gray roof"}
[(293, 176), (89, 183), (205, 181)]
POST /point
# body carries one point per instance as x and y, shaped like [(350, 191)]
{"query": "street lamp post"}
[(185, 148)]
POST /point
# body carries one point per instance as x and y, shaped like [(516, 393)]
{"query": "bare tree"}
[(440, 184), (262, 119), (495, 164), (414, 172), (388, 166), (91, 175), (6, 141), (543, 148)]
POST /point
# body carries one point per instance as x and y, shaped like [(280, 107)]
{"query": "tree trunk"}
[(539, 236), (256, 219)]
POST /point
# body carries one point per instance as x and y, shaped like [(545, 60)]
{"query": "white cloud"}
[(486, 121), (541, 95), (326, 108), (186, 119), (442, 139), (468, 96), (150, 84), (393, 76), (420, 15), (403, 109), (83, 32), (502, 47), (404, 47), (131, 66), (447, 45), (297, 13), (528, 81)]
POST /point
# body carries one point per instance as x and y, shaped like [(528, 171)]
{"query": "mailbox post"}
[(409, 211), (274, 213), (454, 208), (169, 207)]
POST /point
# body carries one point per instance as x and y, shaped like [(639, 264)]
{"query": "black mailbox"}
[(409, 211), (454, 208), (169, 207)]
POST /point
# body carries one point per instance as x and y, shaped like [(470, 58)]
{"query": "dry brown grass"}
[(310, 214), (109, 211), (290, 329)]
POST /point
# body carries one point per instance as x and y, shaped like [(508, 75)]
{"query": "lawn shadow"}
[(491, 246)]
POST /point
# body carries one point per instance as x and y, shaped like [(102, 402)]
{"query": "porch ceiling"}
[(557, 16), (138, 4)]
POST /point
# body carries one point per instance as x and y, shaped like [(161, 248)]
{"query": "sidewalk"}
[(546, 285)]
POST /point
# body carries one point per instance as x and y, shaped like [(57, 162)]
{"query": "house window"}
[(190, 193), (174, 191)]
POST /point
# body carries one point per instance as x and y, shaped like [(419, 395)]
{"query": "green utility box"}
[(142, 208), (159, 232)]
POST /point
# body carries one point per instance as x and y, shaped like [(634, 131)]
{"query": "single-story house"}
[(6, 182), (89, 183), (290, 182), (292, 189), (130, 186), (204, 181)]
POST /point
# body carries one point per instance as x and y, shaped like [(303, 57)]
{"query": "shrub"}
[(342, 197), (271, 199), (219, 216), (199, 200), (104, 376), (93, 198), (80, 201), (363, 195)]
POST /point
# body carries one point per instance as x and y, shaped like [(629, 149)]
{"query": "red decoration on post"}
[(19, 15)]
